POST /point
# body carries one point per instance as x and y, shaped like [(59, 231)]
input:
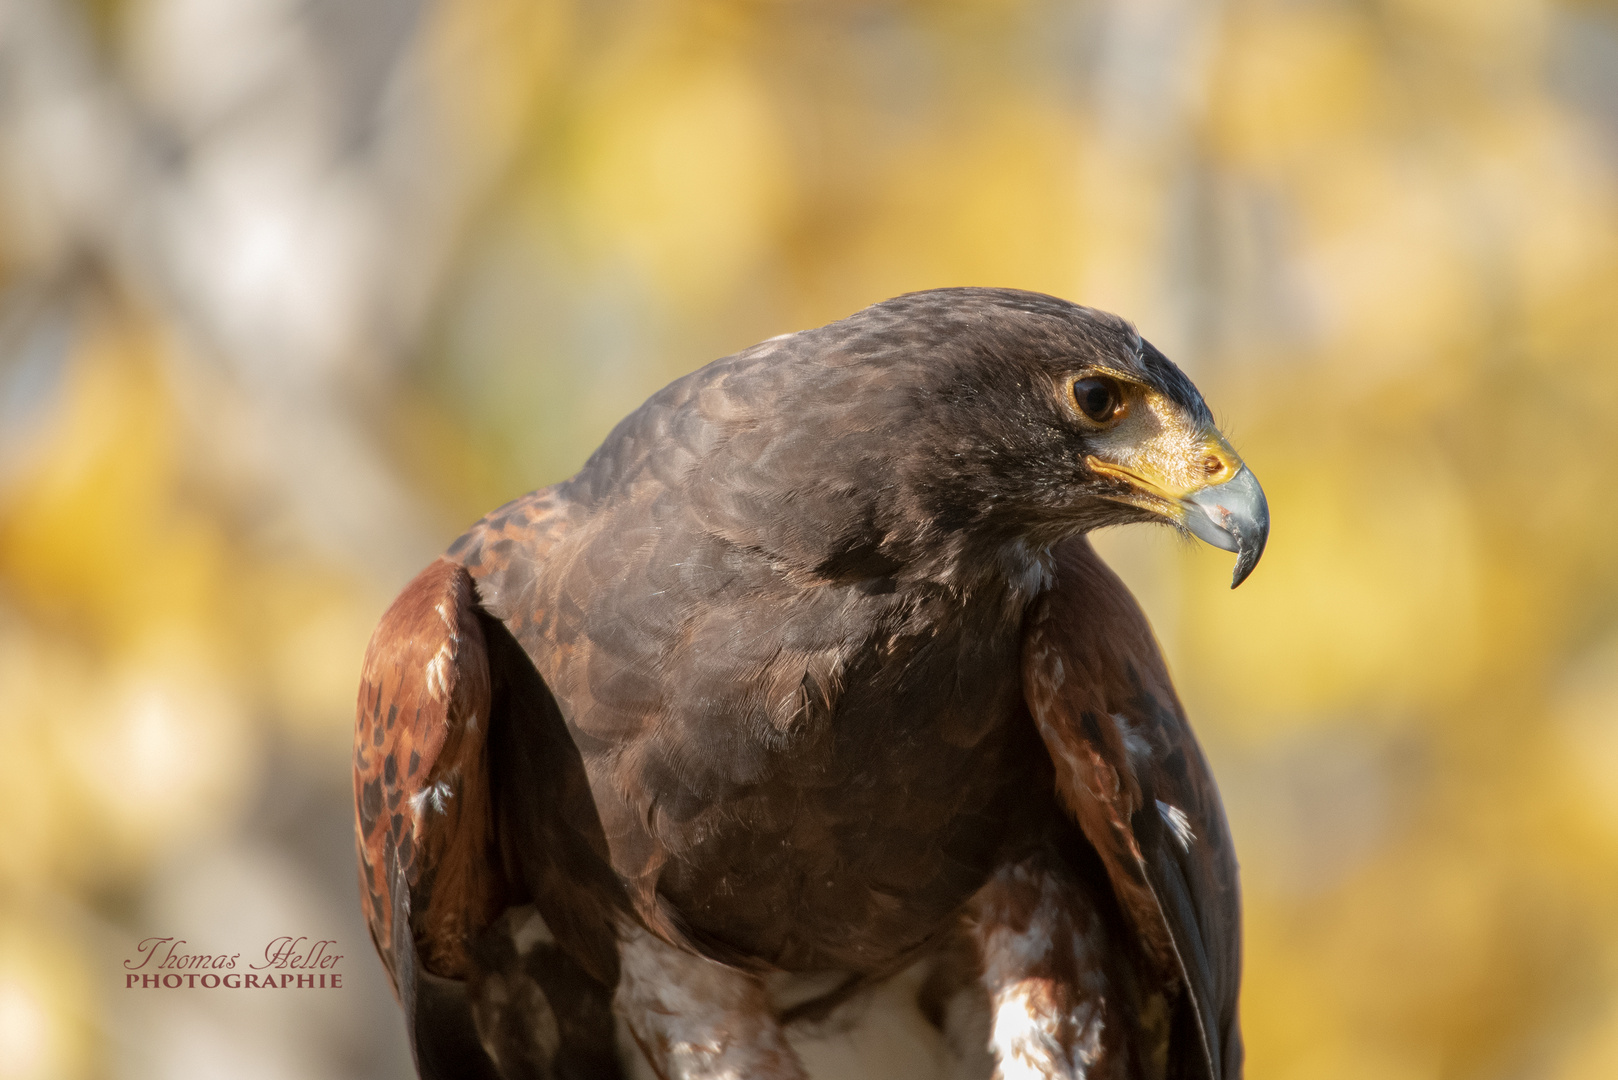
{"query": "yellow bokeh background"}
[(290, 292)]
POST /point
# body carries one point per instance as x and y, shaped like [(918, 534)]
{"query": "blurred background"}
[(291, 291)]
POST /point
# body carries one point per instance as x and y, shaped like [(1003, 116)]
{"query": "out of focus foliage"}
[(291, 290)]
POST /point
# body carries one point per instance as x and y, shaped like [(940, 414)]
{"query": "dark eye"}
[(1101, 400)]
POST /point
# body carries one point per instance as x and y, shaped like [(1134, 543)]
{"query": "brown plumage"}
[(811, 670)]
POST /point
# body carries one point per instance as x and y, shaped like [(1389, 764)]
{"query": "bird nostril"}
[(1213, 465)]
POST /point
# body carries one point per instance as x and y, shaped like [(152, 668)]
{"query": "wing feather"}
[(471, 801), (423, 821), (1130, 771)]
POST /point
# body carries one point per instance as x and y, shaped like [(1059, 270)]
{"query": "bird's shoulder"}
[(419, 785), (1130, 771)]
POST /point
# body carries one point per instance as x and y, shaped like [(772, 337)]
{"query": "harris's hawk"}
[(811, 673)]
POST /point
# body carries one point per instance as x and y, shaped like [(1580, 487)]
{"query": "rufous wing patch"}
[(1067, 691), (1129, 770), (423, 819)]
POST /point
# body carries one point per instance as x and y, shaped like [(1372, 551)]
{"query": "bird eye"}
[(1101, 400)]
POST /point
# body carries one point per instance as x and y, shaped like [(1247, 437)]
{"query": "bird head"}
[(1150, 446), (1057, 419)]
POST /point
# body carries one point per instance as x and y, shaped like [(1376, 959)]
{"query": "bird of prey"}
[(811, 676)]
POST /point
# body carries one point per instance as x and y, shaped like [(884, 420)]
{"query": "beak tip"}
[(1236, 517), (1248, 552)]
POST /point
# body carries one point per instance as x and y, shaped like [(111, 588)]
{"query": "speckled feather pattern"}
[(420, 784)]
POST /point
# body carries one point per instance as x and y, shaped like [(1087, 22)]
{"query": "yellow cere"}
[(1160, 453)]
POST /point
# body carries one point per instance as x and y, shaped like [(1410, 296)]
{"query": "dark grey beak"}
[(1232, 516)]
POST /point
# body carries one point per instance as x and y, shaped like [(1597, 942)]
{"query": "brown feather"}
[(781, 678), (420, 781), (1102, 700)]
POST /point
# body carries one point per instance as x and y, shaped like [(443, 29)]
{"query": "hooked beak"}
[(1233, 516)]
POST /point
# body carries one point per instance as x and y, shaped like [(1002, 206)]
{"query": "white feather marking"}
[(698, 1020), (1136, 744), (1028, 569), (432, 797), (438, 671), (438, 667), (1178, 824), (1028, 1033), (533, 931), (1023, 1044), (1041, 1027), (415, 803)]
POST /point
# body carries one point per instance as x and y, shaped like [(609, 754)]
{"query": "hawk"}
[(811, 676)]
